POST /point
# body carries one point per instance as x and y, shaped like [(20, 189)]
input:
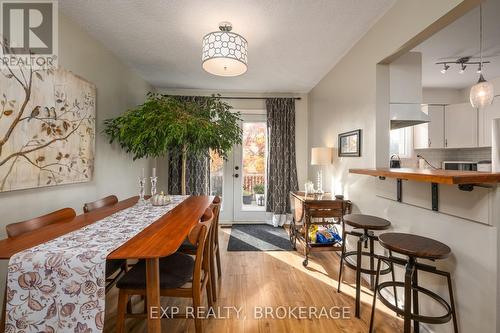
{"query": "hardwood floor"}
[(252, 280)]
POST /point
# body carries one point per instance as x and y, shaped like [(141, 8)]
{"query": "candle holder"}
[(154, 181), (142, 184)]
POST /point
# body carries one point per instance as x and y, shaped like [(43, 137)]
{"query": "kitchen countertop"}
[(451, 177)]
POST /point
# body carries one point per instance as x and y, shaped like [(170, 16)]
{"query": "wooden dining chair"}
[(118, 266), (59, 216), (104, 202), (21, 228), (213, 238), (181, 275)]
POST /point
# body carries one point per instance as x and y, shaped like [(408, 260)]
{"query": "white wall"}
[(348, 98), (118, 89), (301, 120)]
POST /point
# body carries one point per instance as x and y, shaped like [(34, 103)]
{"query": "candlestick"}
[(142, 183), (154, 180)]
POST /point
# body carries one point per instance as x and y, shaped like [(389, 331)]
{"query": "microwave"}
[(460, 165)]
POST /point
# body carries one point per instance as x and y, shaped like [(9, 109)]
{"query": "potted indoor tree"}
[(165, 123)]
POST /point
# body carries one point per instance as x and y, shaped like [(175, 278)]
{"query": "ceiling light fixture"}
[(481, 94), (224, 52), (445, 68), (479, 69), (463, 62)]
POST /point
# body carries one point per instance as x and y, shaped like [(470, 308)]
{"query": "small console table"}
[(316, 209)]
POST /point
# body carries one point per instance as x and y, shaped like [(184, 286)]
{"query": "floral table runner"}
[(59, 286)]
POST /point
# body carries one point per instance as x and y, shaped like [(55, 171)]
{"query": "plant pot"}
[(260, 199), (247, 199)]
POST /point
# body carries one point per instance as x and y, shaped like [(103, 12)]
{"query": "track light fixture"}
[(462, 62), (479, 69), (445, 68)]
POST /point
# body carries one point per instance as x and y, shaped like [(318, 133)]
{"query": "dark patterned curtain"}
[(197, 174), (197, 166), (281, 164)]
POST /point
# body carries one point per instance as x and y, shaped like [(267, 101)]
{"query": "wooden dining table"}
[(160, 239)]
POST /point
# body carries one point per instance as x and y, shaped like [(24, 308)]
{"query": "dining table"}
[(160, 239)]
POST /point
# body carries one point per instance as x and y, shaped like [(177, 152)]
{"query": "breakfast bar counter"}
[(450, 177), (466, 181)]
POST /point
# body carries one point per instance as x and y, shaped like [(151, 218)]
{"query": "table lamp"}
[(321, 156)]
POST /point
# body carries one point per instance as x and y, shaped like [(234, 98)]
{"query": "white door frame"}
[(232, 186)]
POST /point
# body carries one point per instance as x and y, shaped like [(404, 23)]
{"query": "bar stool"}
[(414, 247), (368, 224)]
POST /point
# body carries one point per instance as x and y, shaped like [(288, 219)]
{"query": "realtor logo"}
[(29, 33)]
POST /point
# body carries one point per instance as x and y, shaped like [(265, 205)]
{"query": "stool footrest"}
[(420, 318), (366, 270)]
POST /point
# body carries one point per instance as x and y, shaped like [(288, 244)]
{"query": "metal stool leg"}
[(410, 267), (393, 274), (341, 259), (372, 262), (374, 296), (416, 324), (358, 277), (452, 303)]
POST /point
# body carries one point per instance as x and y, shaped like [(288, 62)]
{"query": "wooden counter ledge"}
[(451, 177)]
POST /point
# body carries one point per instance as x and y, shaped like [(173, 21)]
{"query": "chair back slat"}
[(19, 228), (104, 202), (198, 236)]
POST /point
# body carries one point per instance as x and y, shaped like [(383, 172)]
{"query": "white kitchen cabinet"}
[(431, 134), (461, 126), (486, 117)]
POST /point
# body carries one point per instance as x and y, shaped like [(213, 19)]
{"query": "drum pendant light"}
[(224, 52)]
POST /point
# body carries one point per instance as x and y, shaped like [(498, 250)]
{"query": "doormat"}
[(258, 237)]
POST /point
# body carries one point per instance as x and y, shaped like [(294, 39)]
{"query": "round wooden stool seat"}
[(367, 222), (414, 246)]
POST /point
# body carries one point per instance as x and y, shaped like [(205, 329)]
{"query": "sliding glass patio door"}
[(241, 180)]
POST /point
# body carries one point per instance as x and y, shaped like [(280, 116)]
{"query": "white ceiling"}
[(461, 38), (292, 43)]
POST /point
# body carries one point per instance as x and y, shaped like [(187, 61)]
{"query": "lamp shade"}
[(321, 156)]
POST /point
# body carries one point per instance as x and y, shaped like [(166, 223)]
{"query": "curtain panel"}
[(281, 162), (197, 174)]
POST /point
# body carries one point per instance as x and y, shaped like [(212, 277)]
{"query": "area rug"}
[(258, 237)]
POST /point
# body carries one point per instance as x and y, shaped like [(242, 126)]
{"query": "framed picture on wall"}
[(350, 144)]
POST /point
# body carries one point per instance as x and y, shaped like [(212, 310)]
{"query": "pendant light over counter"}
[(482, 93), (224, 52)]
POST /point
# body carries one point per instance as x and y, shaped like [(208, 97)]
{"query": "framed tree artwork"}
[(350, 144), (47, 128)]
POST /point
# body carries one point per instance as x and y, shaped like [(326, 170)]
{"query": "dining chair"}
[(181, 275), (20, 228), (115, 265), (213, 237), (104, 202)]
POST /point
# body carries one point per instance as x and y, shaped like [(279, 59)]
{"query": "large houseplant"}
[(166, 123)]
